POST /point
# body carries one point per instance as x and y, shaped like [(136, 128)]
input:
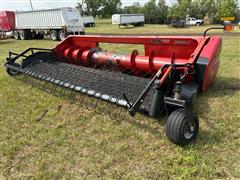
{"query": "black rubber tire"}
[(54, 35), (62, 35), (177, 129), (12, 72), (29, 35), (198, 24), (16, 35), (24, 35), (38, 36), (82, 33)]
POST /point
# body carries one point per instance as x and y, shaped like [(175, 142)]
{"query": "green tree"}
[(163, 11), (110, 7), (135, 8), (100, 8), (151, 12), (126, 10), (89, 7), (226, 8), (181, 9), (195, 10), (203, 8), (209, 9)]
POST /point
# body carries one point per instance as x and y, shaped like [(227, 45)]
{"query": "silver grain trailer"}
[(128, 19), (88, 21), (58, 23)]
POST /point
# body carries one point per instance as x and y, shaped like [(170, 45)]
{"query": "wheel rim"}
[(16, 35), (21, 35), (53, 36), (62, 36), (189, 132)]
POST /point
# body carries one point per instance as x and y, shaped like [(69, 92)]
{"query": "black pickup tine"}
[(98, 88)]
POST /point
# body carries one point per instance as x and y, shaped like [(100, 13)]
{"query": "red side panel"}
[(7, 21), (211, 52)]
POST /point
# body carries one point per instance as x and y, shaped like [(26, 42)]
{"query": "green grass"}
[(46, 137), (105, 26)]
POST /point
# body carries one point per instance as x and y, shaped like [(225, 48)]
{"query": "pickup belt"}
[(104, 84)]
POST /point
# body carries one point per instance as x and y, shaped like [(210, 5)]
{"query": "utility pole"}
[(31, 4)]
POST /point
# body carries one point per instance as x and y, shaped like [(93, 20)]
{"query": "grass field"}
[(105, 26), (47, 137)]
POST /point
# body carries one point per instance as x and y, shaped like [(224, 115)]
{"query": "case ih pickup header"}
[(167, 78)]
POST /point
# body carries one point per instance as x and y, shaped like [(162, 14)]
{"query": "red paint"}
[(212, 52), (7, 21), (165, 75), (158, 51)]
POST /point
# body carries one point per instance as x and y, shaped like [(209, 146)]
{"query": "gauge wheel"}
[(180, 130)]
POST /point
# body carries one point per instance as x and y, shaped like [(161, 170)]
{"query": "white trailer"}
[(88, 21), (128, 19), (59, 23)]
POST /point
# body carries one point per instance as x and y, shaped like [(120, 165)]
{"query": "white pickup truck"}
[(193, 22)]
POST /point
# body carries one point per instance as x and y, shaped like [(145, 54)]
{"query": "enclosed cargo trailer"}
[(59, 23), (128, 19), (88, 21)]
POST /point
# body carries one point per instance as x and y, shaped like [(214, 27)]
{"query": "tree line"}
[(158, 12)]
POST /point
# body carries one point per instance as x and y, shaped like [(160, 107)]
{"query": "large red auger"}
[(166, 78)]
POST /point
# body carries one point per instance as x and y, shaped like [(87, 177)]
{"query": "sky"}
[(47, 4)]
